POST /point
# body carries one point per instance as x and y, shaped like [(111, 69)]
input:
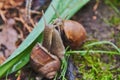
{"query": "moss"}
[(92, 67), (97, 66), (114, 20)]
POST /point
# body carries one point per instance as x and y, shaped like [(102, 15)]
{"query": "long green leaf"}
[(21, 55)]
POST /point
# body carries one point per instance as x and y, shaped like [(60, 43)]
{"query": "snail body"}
[(52, 41), (57, 48), (47, 36)]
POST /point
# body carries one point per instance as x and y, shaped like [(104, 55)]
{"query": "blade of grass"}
[(64, 69), (64, 66), (101, 43), (84, 52), (113, 6)]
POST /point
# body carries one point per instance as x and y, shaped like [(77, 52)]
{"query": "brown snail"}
[(72, 32), (45, 57), (43, 62)]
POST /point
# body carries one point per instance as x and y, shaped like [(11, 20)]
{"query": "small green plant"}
[(114, 4)]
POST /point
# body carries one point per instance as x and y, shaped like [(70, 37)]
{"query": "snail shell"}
[(43, 62), (74, 34)]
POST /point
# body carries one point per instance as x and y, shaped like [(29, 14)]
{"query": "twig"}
[(3, 16), (25, 24), (36, 12), (96, 5), (21, 33), (28, 9)]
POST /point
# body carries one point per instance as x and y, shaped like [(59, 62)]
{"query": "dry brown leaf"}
[(8, 37)]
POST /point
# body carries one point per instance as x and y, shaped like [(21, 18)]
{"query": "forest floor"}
[(100, 19)]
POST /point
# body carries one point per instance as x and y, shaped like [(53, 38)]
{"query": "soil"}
[(93, 20)]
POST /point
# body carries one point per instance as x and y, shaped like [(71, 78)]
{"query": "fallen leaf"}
[(8, 37)]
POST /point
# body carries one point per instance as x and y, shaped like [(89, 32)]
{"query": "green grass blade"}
[(83, 52), (101, 43)]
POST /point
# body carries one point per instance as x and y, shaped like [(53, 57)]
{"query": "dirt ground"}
[(94, 21)]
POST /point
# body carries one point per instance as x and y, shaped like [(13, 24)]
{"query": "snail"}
[(43, 62), (46, 57), (73, 33)]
